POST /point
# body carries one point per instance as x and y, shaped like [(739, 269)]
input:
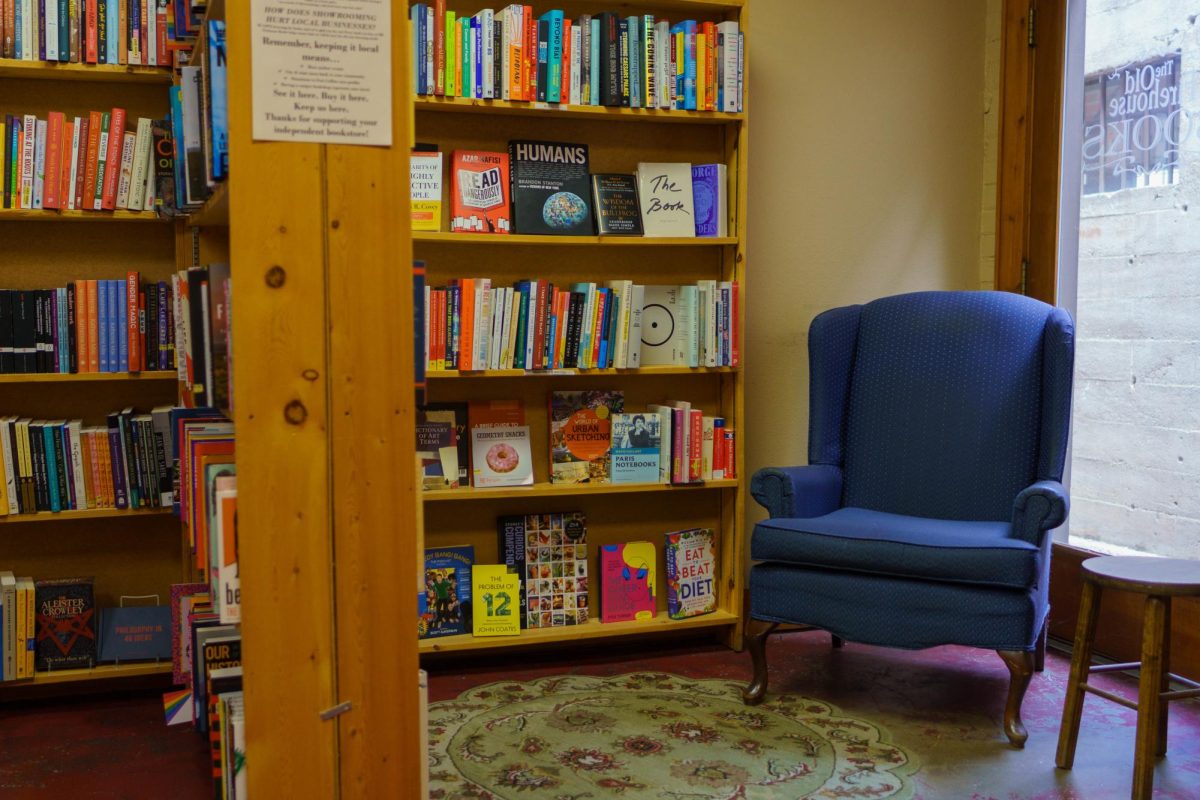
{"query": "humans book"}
[(550, 188)]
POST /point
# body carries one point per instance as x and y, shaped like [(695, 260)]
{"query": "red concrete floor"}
[(942, 705)]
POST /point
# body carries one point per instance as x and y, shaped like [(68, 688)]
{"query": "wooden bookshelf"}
[(617, 139), (88, 377), (215, 211), (80, 514), (102, 672), (593, 629), (76, 215), (11, 68)]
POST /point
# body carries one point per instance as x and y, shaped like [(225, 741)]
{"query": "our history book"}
[(550, 189), (580, 431)]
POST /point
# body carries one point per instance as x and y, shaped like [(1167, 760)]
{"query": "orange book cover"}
[(93, 158), (81, 328), (495, 413), (529, 56), (53, 168), (93, 334), (466, 335), (85, 446), (122, 39), (710, 57), (64, 178), (516, 63), (479, 192), (565, 97), (112, 160)]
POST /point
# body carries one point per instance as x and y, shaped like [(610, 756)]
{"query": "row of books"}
[(606, 59), (207, 666), (592, 439), (204, 332), (132, 32), (471, 324), (87, 326), (61, 465), (200, 124), (546, 188), (543, 572), (98, 161)]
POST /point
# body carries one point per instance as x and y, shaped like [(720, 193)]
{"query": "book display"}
[(602, 322)]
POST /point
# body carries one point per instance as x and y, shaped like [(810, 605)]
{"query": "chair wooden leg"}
[(1039, 653), (838, 642), (1149, 702), (1164, 705), (1020, 668), (1081, 659), (757, 632)]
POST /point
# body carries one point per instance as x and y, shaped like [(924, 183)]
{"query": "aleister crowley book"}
[(66, 624)]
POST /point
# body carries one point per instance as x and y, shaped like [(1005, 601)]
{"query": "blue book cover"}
[(135, 633), (176, 95), (605, 306), (522, 314), (102, 324), (554, 58), (706, 184), (19, 26), (595, 62), (418, 16), (121, 315), (477, 56), (444, 607), (636, 82), (135, 22), (51, 467), (218, 99), (689, 74), (636, 439)]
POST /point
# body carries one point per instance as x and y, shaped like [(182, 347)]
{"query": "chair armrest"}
[(798, 491), (1038, 508)]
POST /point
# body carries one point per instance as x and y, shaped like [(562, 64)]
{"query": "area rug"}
[(653, 736)]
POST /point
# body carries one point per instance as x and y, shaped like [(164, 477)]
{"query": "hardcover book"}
[(636, 439), (691, 558), (617, 210), (666, 197), (580, 431), (444, 606), (510, 549), (550, 188), (501, 456), (425, 176), (480, 199), (556, 569), (708, 194), (497, 597), (627, 582), (66, 624)]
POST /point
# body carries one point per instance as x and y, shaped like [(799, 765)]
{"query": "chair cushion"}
[(863, 540)]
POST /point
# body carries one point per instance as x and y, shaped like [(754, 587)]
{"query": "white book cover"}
[(496, 341), (589, 314), (530, 314), (740, 81), (483, 322), (708, 292), (39, 164), (75, 435), (665, 451), (126, 178), (181, 342), (74, 167), (229, 582), (142, 171), (621, 340), (728, 37), (51, 22), (576, 66), (636, 299), (665, 191), (689, 306), (662, 327), (151, 55), (487, 23), (501, 456)]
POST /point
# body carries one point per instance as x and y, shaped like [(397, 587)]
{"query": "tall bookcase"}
[(127, 552), (617, 139)]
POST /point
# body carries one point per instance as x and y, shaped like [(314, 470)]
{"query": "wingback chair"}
[(938, 428)]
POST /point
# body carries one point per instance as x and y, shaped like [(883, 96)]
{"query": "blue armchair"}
[(937, 433)]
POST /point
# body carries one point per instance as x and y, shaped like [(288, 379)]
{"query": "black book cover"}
[(498, 61), (64, 31), (72, 312), (149, 462), (511, 552), (37, 455), (197, 278), (66, 624), (624, 51), (60, 466), (39, 331), (618, 212), (102, 33), (133, 467), (9, 132), (550, 188), (574, 328), (150, 361), (7, 354), (164, 167), (25, 331), (49, 327), (610, 54), (543, 61)]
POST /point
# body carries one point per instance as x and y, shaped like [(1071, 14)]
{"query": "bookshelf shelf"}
[(215, 211), (467, 105), (443, 237), (590, 630), (88, 377), (89, 513), (569, 490), (41, 215), (103, 672), (46, 70), (453, 374)]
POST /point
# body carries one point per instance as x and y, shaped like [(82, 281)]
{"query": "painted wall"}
[(866, 178)]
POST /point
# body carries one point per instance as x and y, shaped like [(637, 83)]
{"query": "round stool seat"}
[(1164, 577)]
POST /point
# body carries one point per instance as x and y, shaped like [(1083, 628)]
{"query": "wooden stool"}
[(1159, 579)]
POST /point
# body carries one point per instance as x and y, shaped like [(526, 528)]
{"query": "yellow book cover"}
[(701, 62), (496, 592), (22, 613), (425, 174), (30, 624)]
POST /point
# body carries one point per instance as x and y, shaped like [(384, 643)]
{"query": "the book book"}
[(497, 599), (556, 569), (580, 431), (667, 203), (501, 456), (691, 569), (66, 624), (709, 199), (425, 178), (618, 212), (479, 189), (627, 582), (636, 439), (550, 189), (444, 602)]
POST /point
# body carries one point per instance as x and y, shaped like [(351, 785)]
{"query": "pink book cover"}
[(181, 629), (627, 582)]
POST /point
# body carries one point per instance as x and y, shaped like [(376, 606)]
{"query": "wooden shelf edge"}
[(593, 629), (102, 672), (446, 237), (87, 377), (100, 73), (215, 211), (568, 490), (76, 215), (467, 105), (454, 374), (80, 514)]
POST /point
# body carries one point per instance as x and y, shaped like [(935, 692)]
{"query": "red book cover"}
[(466, 335), (64, 183), (529, 56), (93, 158), (81, 327), (627, 582), (495, 413), (539, 326), (696, 445), (678, 464), (91, 36), (81, 158), (565, 97), (710, 55), (735, 327), (93, 318), (439, 47), (160, 37), (112, 170), (53, 169), (143, 32), (437, 322), (730, 454), (563, 301), (132, 287), (479, 192)]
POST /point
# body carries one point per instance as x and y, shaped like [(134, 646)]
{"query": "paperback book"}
[(636, 439), (556, 569), (550, 188), (691, 560), (580, 434), (444, 604), (437, 448), (502, 456), (66, 624), (425, 175), (709, 193), (667, 203), (618, 212), (627, 582), (454, 414), (480, 199), (497, 593)]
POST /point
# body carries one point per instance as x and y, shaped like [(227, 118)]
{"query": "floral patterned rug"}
[(653, 736)]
